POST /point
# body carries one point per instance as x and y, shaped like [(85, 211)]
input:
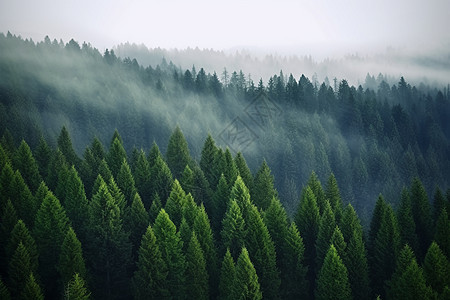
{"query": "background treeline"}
[(166, 226), (374, 138)]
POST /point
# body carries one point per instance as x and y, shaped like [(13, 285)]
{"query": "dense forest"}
[(86, 215)]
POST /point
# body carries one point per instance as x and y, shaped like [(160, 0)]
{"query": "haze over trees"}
[(342, 192)]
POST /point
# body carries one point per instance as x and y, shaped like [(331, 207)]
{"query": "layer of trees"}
[(148, 225)]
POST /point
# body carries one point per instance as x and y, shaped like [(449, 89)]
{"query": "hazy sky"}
[(283, 26)]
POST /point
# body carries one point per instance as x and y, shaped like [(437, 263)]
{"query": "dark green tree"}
[(24, 202), (76, 289), (31, 290), (263, 190), (125, 182), (24, 161), (436, 268), (442, 233), (57, 162), (71, 259), (230, 170), (337, 240), (227, 277), (246, 285), (177, 155), (4, 292), (136, 222), (244, 171), (438, 204), (149, 278), (187, 179), (332, 281), (333, 195), (233, 229), (316, 188), (196, 275), (20, 234), (357, 266), (239, 192), (19, 269), (117, 196), (171, 246), (161, 179), (349, 223), (154, 208), (406, 223), (8, 221), (115, 157), (142, 179), (175, 203), (326, 228), (207, 158), (65, 145), (219, 204)]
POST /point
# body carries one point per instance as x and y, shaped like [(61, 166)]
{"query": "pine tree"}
[(6, 180), (171, 246), (20, 234), (240, 193), (136, 222), (142, 178), (244, 171), (436, 268), (175, 203), (65, 145), (219, 204), (408, 281), (196, 274), (161, 179), (24, 202), (154, 208), (4, 292), (246, 285), (326, 228), (332, 281), (178, 156), (125, 182), (337, 240), (57, 162), (71, 259), (334, 196), (117, 195), (19, 269), (230, 171), (190, 211), (42, 155), (406, 223), (185, 232), (294, 284), (149, 278), (104, 171), (108, 252), (357, 266), (201, 191), (349, 223), (24, 161), (31, 290), (8, 221), (316, 188), (187, 179), (421, 210), (442, 234), (438, 204), (41, 193), (207, 158), (227, 277), (76, 289), (263, 190), (233, 229), (116, 156), (307, 220), (375, 223)]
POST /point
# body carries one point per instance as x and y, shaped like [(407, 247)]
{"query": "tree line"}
[(148, 225)]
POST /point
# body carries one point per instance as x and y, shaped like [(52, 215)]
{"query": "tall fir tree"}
[(333, 195), (24, 161), (246, 284), (115, 157), (76, 289), (171, 246), (332, 281), (20, 234), (23, 199), (326, 228), (438, 203), (357, 266), (142, 179), (227, 277), (8, 221), (175, 203), (406, 223), (57, 162), (218, 206), (65, 145), (71, 259), (177, 155), (207, 158), (240, 193), (42, 155), (31, 290), (149, 280), (125, 182), (233, 229), (316, 188), (196, 286), (187, 179), (19, 268), (349, 223), (136, 220), (263, 190), (230, 170), (442, 232), (436, 268), (4, 292), (161, 179), (244, 171)]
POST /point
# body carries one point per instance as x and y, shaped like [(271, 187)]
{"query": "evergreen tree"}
[(42, 155), (307, 220), (6, 182), (244, 171), (246, 285), (190, 211), (7, 223), (263, 190), (406, 223), (65, 145), (104, 171), (117, 195), (219, 204), (185, 232), (421, 210), (240, 193), (171, 246), (20, 234), (408, 281), (227, 277), (177, 155), (116, 156), (436, 268), (196, 274), (349, 223), (57, 162), (334, 196), (149, 278), (375, 223), (442, 234), (207, 158), (230, 170), (233, 229), (154, 208), (438, 204), (201, 191), (161, 179), (76, 289), (19, 269), (50, 228), (136, 222), (142, 178), (24, 202), (71, 259), (175, 203), (332, 281), (24, 161), (125, 182), (109, 249), (316, 188), (187, 179), (337, 240), (31, 290), (326, 228), (357, 266), (294, 284), (4, 292)]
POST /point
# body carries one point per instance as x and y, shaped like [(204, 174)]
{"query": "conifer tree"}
[(196, 274), (332, 281), (337, 240), (436, 268), (125, 182), (41, 193), (244, 171), (201, 191), (207, 158), (65, 145), (24, 203), (8, 221), (177, 155), (154, 208), (116, 156), (185, 232), (71, 259), (190, 210), (263, 190), (50, 228), (42, 155), (19, 268), (246, 285), (375, 223), (76, 289), (60, 190), (136, 222), (24, 161), (171, 246), (104, 171), (316, 188), (20, 234), (6, 180), (219, 204), (149, 278), (227, 277), (57, 162), (438, 204), (161, 179), (307, 220), (187, 180), (31, 290), (333, 195), (142, 178), (4, 292), (442, 233), (230, 170), (294, 284), (326, 228), (175, 203), (117, 195), (233, 229), (357, 266), (406, 223), (349, 223), (240, 193)]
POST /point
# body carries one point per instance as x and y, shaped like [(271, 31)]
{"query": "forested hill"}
[(374, 138)]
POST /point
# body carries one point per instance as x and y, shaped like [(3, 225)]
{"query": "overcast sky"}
[(283, 26)]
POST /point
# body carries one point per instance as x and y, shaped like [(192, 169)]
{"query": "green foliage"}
[(406, 223), (171, 246), (276, 220), (263, 190), (142, 178), (316, 188), (7, 223), (175, 203), (20, 234), (149, 278), (246, 285), (71, 259), (24, 202), (333, 195), (161, 178), (233, 229), (442, 233), (227, 277), (187, 179), (19, 269), (326, 228), (76, 289), (125, 182), (240, 193), (31, 290), (244, 171), (207, 158), (230, 170), (337, 240), (219, 203), (357, 266), (116, 155), (136, 220), (65, 145), (436, 268), (4, 292), (177, 155), (196, 275), (24, 161), (332, 281), (57, 162), (349, 223)]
